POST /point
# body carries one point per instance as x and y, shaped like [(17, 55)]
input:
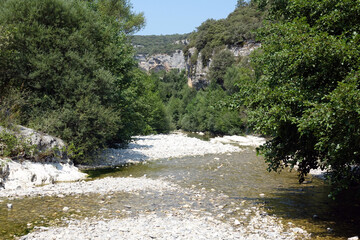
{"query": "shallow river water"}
[(224, 186)]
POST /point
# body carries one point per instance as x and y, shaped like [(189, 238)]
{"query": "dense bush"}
[(72, 64), (193, 110), (221, 62), (307, 92), (207, 113), (147, 112)]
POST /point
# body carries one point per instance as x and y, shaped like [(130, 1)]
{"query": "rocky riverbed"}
[(172, 225), (179, 188), (181, 212)]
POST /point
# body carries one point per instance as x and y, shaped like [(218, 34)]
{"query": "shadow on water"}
[(310, 206)]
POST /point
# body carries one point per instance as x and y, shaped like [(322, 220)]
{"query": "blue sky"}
[(179, 16)]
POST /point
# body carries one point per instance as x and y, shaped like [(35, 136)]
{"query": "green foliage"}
[(197, 111), (120, 12), (154, 44), (236, 29), (171, 84), (221, 62), (307, 89), (5, 53), (72, 59), (13, 146), (237, 77), (11, 103), (146, 114), (208, 112), (241, 3)]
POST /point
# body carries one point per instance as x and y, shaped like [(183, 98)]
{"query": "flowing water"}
[(223, 186)]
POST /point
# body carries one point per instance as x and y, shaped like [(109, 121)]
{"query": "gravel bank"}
[(161, 146), (166, 223), (175, 225), (101, 186)]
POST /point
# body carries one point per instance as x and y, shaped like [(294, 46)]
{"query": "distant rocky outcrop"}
[(198, 72), (159, 62)]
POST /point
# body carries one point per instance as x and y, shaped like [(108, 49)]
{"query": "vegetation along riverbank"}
[(79, 90)]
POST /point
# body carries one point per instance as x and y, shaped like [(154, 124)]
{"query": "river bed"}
[(227, 195)]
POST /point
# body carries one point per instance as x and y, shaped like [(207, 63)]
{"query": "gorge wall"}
[(197, 73)]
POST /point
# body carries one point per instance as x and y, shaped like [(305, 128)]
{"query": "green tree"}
[(171, 84), (241, 3), (307, 90), (221, 62), (73, 61), (237, 77), (235, 30), (119, 11), (146, 113)]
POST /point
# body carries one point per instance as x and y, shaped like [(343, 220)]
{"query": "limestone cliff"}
[(159, 62), (197, 72)]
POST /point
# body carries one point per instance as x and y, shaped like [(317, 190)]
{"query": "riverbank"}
[(171, 211)]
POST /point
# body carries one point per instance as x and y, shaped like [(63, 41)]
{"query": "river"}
[(232, 188)]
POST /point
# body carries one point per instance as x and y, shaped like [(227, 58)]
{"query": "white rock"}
[(241, 140), (28, 174)]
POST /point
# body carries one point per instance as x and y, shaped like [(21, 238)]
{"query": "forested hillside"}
[(153, 44), (213, 35)]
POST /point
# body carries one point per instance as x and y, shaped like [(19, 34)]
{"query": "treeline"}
[(67, 69), (154, 44), (205, 110)]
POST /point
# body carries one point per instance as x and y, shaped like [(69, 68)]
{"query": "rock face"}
[(197, 73), (47, 148), (161, 62), (46, 143), (51, 162), (244, 50)]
